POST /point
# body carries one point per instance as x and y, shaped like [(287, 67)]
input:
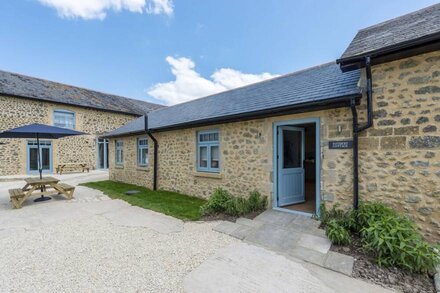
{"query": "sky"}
[(172, 51)]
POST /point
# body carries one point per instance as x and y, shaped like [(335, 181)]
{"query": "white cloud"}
[(189, 84), (97, 9)]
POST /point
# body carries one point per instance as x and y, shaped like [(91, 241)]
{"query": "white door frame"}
[(296, 122)]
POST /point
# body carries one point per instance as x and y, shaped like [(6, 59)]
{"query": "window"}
[(142, 152), (208, 151), (119, 160), (63, 118)]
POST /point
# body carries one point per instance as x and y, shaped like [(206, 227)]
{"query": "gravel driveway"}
[(90, 245)]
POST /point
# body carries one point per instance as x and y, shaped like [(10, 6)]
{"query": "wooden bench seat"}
[(17, 197), (16, 193), (71, 167), (68, 189)]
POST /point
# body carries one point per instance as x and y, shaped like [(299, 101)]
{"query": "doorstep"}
[(291, 234)]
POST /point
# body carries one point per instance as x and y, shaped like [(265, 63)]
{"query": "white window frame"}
[(119, 152), (140, 148), (212, 141), (65, 114)]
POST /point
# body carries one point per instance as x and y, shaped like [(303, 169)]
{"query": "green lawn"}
[(170, 203)]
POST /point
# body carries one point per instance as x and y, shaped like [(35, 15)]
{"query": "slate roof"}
[(313, 85), (40, 89), (132, 127), (406, 28)]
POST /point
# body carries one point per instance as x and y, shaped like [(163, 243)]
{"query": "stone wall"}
[(399, 156), (16, 112), (246, 158), (129, 171)]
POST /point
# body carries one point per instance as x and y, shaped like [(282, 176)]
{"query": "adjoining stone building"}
[(365, 127), (25, 100)]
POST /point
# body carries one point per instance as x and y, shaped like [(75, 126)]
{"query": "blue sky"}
[(212, 45)]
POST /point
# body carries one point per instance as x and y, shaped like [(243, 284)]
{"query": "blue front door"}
[(290, 165), (45, 153)]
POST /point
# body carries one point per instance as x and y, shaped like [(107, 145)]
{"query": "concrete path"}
[(290, 234), (243, 267), (86, 203)]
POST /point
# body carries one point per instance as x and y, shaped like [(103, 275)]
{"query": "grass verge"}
[(174, 204)]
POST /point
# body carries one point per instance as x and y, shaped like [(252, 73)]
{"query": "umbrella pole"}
[(40, 170)]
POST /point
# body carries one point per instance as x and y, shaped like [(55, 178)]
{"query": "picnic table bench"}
[(72, 167), (37, 186)]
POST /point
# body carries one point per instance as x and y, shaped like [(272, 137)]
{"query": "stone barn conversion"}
[(26, 100), (364, 127)]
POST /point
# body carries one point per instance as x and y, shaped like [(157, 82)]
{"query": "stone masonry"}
[(398, 157), (15, 112)]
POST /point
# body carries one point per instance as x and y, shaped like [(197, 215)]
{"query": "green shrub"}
[(217, 203), (223, 202), (394, 239), (337, 233)]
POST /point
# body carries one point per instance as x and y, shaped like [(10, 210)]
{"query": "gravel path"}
[(94, 255)]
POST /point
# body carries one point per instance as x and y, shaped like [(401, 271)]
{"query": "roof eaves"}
[(333, 102), (357, 61)]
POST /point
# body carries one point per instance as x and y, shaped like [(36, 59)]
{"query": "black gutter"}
[(340, 102), (156, 146), (357, 129)]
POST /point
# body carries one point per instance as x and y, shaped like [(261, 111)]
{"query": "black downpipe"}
[(357, 129), (156, 147)]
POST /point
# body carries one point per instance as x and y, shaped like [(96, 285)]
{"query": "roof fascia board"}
[(406, 49), (306, 107)]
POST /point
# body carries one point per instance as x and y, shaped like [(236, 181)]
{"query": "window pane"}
[(203, 153), (64, 119), (144, 156), (215, 157), (292, 149)]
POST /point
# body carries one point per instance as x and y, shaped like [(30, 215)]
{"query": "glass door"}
[(45, 154), (102, 153)]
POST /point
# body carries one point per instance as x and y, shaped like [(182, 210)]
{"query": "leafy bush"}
[(337, 234), (223, 202), (346, 219), (392, 238)]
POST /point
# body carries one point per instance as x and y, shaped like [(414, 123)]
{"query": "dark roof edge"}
[(70, 104), (342, 101), (432, 43), (137, 132)]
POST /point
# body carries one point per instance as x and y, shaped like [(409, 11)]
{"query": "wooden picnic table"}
[(36, 186)]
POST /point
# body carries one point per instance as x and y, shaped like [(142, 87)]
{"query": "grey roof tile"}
[(36, 88), (132, 127), (315, 84), (412, 26)]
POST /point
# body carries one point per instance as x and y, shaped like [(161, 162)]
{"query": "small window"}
[(208, 151), (64, 119), (119, 152), (142, 152)]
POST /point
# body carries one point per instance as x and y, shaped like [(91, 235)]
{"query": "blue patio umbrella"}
[(39, 131)]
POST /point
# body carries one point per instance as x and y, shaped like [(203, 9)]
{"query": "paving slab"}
[(339, 262), (316, 243), (308, 255), (226, 227), (243, 267), (273, 237), (138, 217), (242, 232), (276, 218), (249, 222)]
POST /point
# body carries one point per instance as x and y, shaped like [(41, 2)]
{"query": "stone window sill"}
[(144, 169), (119, 167), (208, 175)]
